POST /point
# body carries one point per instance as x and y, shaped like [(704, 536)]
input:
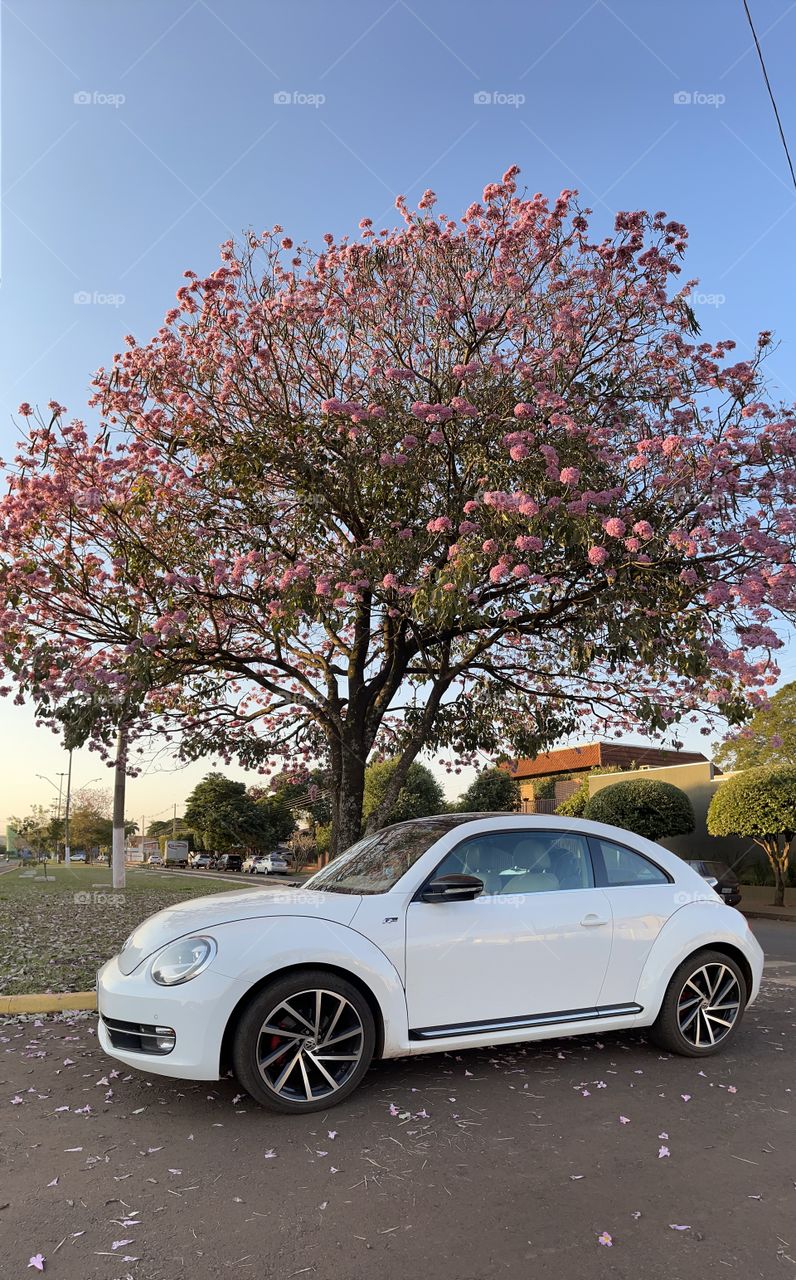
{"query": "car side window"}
[(511, 862), (624, 866)]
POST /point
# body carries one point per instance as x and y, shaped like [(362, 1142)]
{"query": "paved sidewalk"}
[(756, 903)]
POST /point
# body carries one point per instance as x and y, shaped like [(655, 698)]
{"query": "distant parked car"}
[(720, 877), (229, 862), (77, 857), (200, 861), (248, 863), (154, 860), (271, 864)]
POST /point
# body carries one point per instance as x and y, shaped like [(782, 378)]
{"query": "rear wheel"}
[(305, 1042), (703, 1005)]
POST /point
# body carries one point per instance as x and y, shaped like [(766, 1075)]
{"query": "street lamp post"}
[(59, 788)]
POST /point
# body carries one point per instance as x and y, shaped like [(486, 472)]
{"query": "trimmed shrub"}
[(649, 808), (760, 804)]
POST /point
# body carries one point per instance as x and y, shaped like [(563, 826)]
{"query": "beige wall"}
[(699, 782)]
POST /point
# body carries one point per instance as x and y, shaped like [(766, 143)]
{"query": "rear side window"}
[(624, 866)]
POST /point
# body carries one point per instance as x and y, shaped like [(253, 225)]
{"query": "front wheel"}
[(304, 1043), (703, 1006)]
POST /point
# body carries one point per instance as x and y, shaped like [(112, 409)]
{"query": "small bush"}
[(575, 805), (651, 809)]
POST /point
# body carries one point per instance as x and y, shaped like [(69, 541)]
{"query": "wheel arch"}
[(733, 953), (225, 1054)]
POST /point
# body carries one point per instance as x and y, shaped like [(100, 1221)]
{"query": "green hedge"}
[(651, 809)]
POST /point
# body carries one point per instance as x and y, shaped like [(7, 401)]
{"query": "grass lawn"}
[(56, 932)]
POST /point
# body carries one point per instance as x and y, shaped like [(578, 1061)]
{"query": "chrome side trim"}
[(523, 1023)]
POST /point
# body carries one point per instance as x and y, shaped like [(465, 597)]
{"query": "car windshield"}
[(710, 868), (377, 862)]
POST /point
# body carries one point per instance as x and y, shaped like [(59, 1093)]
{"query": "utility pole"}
[(67, 849), (118, 872), (174, 824)]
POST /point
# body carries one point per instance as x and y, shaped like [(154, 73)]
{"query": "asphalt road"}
[(473, 1166)]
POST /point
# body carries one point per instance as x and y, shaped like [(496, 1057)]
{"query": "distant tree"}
[(277, 822), (89, 829), (34, 831), (301, 849), (651, 809), (491, 791), (419, 796), (307, 792), (768, 739), (223, 815), (760, 804)]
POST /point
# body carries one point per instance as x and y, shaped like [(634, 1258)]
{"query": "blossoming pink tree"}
[(465, 484)]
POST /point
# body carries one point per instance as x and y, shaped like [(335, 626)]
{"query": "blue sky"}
[(137, 136)]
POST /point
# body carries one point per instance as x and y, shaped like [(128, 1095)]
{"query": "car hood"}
[(200, 915)]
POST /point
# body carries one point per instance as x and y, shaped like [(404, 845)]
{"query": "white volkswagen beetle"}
[(443, 933)]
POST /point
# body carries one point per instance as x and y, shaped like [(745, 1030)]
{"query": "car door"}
[(537, 942), (642, 897)]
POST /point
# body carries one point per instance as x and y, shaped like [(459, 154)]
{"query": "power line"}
[(770, 91)]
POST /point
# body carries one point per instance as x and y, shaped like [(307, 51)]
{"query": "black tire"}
[(684, 1020), (300, 989)]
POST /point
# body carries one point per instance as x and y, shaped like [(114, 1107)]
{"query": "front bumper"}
[(197, 1011)]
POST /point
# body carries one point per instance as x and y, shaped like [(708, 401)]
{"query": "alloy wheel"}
[(709, 1005), (310, 1045)]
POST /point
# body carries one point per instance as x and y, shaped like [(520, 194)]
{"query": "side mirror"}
[(452, 888)]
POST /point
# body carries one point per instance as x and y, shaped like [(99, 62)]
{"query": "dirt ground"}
[(474, 1166)]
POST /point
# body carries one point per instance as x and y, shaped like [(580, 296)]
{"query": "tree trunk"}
[(118, 872), (348, 772), (409, 754), (779, 884)]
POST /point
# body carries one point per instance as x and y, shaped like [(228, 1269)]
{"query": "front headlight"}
[(183, 960)]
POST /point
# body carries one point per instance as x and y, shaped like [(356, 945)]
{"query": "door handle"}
[(592, 921)]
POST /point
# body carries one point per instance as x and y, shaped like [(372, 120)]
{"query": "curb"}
[(48, 1003), (789, 917)]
